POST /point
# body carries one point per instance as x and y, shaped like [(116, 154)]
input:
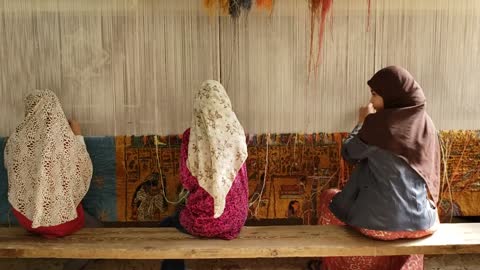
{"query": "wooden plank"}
[(254, 242)]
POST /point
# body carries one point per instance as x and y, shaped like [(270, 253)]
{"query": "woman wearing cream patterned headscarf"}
[(49, 169), (212, 169)]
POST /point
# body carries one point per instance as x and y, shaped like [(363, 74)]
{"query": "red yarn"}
[(319, 9)]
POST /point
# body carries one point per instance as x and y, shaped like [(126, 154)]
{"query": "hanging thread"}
[(183, 193), (319, 10), (265, 4)]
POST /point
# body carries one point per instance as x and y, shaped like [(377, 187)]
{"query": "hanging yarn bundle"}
[(265, 4), (343, 167), (212, 5), (233, 7), (224, 5), (236, 7), (319, 10)]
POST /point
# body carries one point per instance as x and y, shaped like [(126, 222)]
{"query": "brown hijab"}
[(403, 127)]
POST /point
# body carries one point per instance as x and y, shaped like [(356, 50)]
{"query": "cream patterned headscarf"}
[(217, 148), (49, 169)]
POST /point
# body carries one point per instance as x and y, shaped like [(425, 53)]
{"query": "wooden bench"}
[(253, 242)]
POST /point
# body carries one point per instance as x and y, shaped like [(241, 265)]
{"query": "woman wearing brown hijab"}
[(394, 188)]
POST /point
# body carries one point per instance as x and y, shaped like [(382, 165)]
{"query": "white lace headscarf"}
[(49, 169), (217, 148)]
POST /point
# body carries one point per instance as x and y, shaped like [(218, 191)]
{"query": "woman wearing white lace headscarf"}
[(49, 169)]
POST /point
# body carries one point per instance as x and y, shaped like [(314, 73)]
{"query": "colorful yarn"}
[(233, 7), (265, 4), (236, 6), (210, 6)]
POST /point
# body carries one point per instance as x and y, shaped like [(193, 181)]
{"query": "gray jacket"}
[(383, 193)]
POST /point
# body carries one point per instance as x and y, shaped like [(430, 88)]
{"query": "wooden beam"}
[(253, 242)]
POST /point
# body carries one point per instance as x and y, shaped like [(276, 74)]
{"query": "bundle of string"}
[(445, 147), (447, 180), (183, 193), (344, 172), (319, 10), (258, 199), (233, 7), (265, 4), (295, 164)]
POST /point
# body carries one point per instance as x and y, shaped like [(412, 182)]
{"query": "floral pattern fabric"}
[(217, 148)]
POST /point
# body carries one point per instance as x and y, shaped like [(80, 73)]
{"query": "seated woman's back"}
[(396, 155), (197, 216), (383, 193), (49, 169), (212, 167), (396, 152)]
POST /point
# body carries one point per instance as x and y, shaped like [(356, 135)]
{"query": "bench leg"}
[(76, 264), (173, 221), (90, 222), (173, 265)]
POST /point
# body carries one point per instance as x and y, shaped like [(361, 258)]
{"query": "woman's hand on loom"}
[(75, 126), (364, 111)]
